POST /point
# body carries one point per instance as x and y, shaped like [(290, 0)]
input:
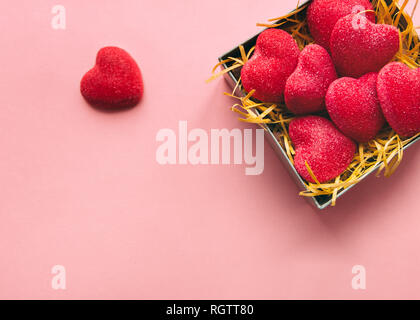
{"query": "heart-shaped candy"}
[(114, 82), (306, 87), (275, 58), (353, 106), (322, 15), (318, 142), (361, 48), (399, 95)]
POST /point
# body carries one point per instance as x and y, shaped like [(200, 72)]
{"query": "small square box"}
[(232, 77)]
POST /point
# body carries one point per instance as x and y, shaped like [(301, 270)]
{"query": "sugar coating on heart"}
[(318, 142), (275, 58), (114, 82), (399, 94), (353, 106), (322, 15), (306, 87), (367, 48)]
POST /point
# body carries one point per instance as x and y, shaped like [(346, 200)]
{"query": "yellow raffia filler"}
[(385, 152)]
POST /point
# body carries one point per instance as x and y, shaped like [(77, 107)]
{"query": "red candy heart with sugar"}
[(353, 106), (114, 82), (361, 48), (306, 87), (318, 142), (275, 58), (322, 15), (399, 95)]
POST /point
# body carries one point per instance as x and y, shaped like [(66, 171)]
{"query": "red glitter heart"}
[(114, 82), (399, 95), (353, 106), (324, 14), (318, 142), (306, 88), (275, 58), (367, 47)]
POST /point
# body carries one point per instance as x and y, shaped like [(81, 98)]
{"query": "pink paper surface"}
[(82, 189)]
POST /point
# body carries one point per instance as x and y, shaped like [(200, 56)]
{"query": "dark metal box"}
[(232, 78)]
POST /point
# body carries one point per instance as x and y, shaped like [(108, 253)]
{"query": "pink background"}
[(82, 189)]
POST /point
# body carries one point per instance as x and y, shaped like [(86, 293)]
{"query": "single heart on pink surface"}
[(361, 48), (306, 87), (318, 142), (353, 106), (114, 82), (399, 95), (275, 58), (322, 15)]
